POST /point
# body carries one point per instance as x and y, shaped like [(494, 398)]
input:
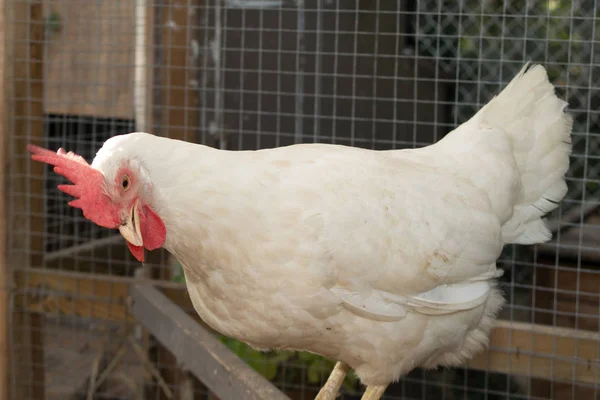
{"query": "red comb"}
[(87, 185)]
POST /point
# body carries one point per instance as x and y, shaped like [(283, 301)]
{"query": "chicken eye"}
[(125, 182)]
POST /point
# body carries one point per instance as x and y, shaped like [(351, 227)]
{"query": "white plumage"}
[(382, 260)]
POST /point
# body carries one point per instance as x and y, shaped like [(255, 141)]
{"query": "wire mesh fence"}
[(252, 74)]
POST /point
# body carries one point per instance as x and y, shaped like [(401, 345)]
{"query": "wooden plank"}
[(547, 352), (4, 273), (86, 295), (26, 200), (515, 348), (91, 58), (202, 354), (567, 297), (75, 296)]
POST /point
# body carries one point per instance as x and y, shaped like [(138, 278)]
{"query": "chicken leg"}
[(330, 390), (374, 392)]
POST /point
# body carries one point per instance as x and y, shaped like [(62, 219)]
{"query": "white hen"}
[(382, 260)]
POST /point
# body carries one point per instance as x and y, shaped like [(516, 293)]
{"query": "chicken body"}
[(273, 244), (383, 260)]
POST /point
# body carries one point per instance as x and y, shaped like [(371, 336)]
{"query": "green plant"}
[(318, 369), (177, 273), (270, 364), (265, 364), (53, 22)]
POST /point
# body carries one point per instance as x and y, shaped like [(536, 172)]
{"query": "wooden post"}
[(25, 45), (4, 281)]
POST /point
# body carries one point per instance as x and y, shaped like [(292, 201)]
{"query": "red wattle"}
[(136, 251), (154, 232)]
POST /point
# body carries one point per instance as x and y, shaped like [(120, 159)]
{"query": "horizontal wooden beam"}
[(197, 349), (542, 351), (546, 352), (86, 295)]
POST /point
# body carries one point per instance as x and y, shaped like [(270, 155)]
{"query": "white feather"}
[(383, 259)]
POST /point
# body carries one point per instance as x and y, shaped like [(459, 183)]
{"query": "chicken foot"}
[(374, 392), (330, 390)]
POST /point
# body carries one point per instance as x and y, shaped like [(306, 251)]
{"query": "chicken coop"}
[(81, 319)]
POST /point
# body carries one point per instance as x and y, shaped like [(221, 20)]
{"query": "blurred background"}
[(250, 74)]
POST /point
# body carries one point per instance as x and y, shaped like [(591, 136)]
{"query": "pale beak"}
[(130, 229)]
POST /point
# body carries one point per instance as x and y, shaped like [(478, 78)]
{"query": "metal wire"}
[(250, 74)]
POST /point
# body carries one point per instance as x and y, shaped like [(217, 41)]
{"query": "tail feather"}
[(539, 131)]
